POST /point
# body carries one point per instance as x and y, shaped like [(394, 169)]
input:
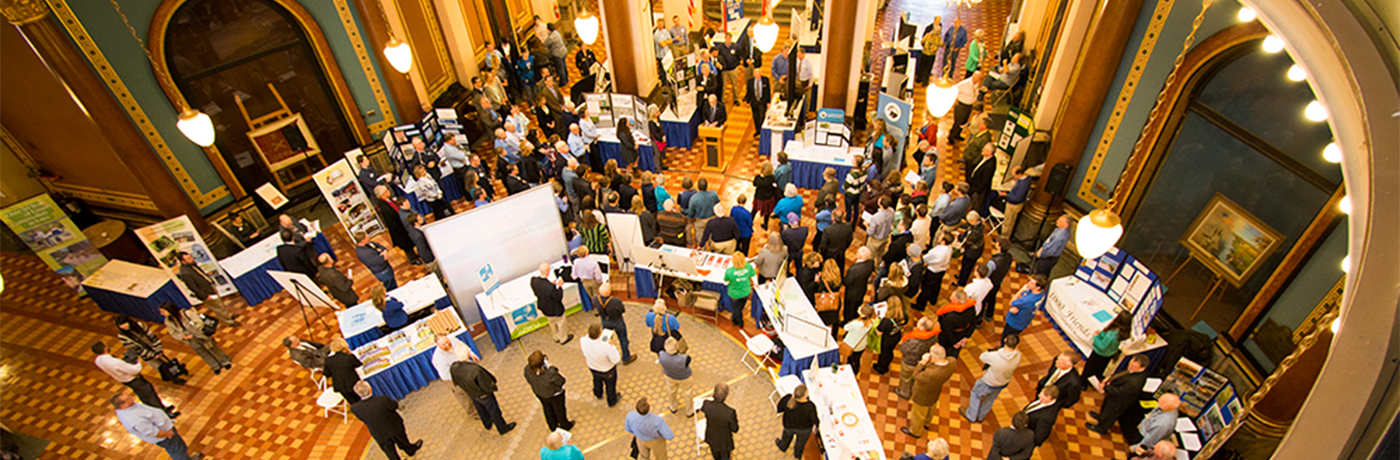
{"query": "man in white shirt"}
[(935, 266), (979, 288), (602, 357), (967, 95), (129, 374), (151, 425), (450, 350), (1001, 367)]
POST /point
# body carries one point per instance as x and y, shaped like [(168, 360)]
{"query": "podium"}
[(712, 147)]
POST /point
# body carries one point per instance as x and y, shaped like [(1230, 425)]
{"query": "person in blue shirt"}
[(957, 208), (649, 429), (525, 70), (659, 185), (790, 204), (783, 172), (555, 448), (702, 207), (687, 191), (744, 219), (954, 38), (1024, 305), (1016, 198), (394, 316), (1049, 253), (780, 65)]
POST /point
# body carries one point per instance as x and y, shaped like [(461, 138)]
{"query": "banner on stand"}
[(47, 230), (166, 240), (348, 199), (898, 115)]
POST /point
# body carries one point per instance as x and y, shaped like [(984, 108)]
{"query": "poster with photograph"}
[(349, 201), (623, 106), (166, 240), (47, 230)]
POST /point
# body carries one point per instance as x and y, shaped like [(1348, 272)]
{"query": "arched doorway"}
[(216, 50)]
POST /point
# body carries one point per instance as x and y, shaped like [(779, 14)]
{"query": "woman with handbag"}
[(807, 275), (890, 328), (142, 341), (857, 337), (663, 326), (188, 326), (828, 292)]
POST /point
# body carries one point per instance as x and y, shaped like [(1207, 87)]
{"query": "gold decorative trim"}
[(23, 12), (352, 29), (437, 86), (133, 109), (1125, 96), (111, 197)]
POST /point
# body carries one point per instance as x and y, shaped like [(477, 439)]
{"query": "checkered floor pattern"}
[(264, 407)]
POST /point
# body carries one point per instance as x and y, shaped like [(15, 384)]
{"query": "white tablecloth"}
[(842, 156), (710, 265), (795, 305), (516, 294), (845, 428), (415, 295), (127, 278), (1080, 311)]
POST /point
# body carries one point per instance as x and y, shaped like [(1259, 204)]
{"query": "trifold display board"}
[(436, 125), (513, 234), (604, 109), (1208, 403), (1127, 281)]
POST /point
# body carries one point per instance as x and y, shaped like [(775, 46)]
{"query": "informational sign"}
[(1126, 281), (348, 198), (271, 195), (831, 115), (733, 10), (166, 240), (47, 230), (898, 115), (488, 278), (1015, 135)]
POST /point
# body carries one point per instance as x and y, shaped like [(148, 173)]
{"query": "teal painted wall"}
[(1154, 76), (105, 27)]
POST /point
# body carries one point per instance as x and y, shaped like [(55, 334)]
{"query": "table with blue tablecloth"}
[(808, 162), (611, 150), (133, 290), (709, 273), (397, 375), (510, 311), (680, 128), (360, 324), (248, 268)]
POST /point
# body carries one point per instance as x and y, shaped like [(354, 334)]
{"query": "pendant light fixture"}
[(586, 24), (1100, 229), (940, 97), (765, 34), (399, 54), (194, 124)]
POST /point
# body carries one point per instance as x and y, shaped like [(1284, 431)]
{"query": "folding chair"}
[(782, 386), (759, 346), (331, 402)]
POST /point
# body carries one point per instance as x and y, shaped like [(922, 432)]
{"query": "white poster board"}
[(314, 296), (167, 239), (347, 198), (271, 195), (626, 232), (513, 234)]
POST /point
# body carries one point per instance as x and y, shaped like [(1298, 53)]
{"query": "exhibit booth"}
[(1081, 305)]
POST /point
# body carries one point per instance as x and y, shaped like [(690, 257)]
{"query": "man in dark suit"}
[(549, 297), (980, 183), (389, 214), (380, 414), (295, 257), (759, 95), (1121, 392), (1063, 376), (1014, 442), (712, 112), (480, 385), (514, 184), (487, 114), (306, 353), (706, 84), (340, 286), (721, 422), (340, 367), (1001, 265), (199, 284), (1042, 413), (836, 239), (857, 281)]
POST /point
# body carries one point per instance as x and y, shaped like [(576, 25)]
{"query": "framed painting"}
[(1230, 241)]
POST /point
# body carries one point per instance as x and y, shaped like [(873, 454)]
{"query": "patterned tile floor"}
[(264, 408)]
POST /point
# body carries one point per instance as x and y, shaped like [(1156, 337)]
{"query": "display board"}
[(898, 115), (1012, 144), (347, 198), (605, 109), (166, 240), (1126, 281), (513, 234), (1209, 402), (47, 230)]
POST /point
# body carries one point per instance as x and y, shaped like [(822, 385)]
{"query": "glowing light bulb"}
[(1273, 44), (1344, 205), (1296, 73), (1246, 14), (1346, 264), (1336, 325), (1315, 111), (1332, 153)]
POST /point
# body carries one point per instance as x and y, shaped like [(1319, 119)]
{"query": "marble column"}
[(627, 27)]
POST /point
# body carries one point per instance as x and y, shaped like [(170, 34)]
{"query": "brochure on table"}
[(47, 230), (1126, 281), (407, 342), (1208, 402), (166, 240)]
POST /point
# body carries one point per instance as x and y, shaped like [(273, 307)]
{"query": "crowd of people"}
[(903, 237)]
